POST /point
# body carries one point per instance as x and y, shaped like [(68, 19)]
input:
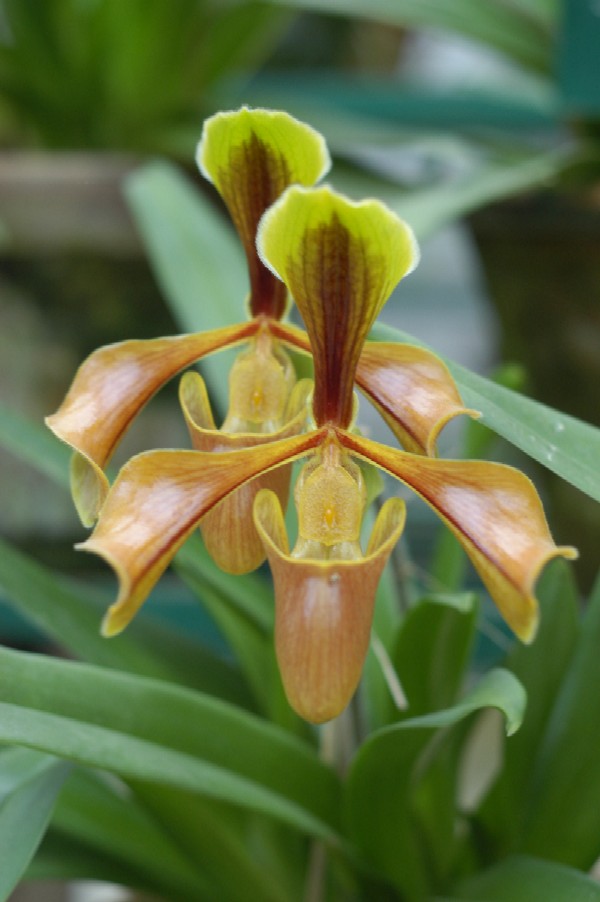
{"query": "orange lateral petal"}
[(109, 390), (158, 499), (495, 513), (323, 611), (412, 389), (228, 530)]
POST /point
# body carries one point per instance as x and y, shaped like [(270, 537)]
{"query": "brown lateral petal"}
[(412, 389), (495, 513), (109, 390), (323, 611), (158, 499), (228, 530)]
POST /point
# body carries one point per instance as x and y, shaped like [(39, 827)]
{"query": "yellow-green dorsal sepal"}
[(252, 156), (340, 261)]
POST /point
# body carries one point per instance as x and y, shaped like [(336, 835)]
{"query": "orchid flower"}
[(251, 156), (340, 262)]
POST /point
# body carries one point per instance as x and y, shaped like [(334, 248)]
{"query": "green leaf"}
[(431, 654), (563, 444), (150, 762), (427, 210), (499, 25), (110, 820), (29, 785), (155, 732), (251, 595), (380, 783), (65, 858), (34, 444), (248, 643), (218, 844), (563, 817), (71, 616), (196, 257), (542, 668), (432, 649), (524, 879), (243, 609), (171, 842)]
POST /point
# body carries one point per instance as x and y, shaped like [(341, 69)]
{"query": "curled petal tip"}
[(413, 390), (110, 627), (109, 389), (89, 484), (495, 513), (453, 412), (523, 617), (122, 611), (159, 498)]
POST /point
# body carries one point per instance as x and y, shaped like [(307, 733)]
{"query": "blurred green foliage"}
[(122, 75)]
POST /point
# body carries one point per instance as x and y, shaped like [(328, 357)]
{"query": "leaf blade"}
[(213, 747), (525, 879), (29, 786), (380, 781)]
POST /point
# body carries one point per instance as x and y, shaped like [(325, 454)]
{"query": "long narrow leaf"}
[(380, 781), (136, 759), (563, 817), (66, 858), (205, 831), (524, 879), (542, 668), (498, 24), (91, 807), (72, 618), (206, 745), (36, 445), (429, 209), (214, 862), (29, 785)]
